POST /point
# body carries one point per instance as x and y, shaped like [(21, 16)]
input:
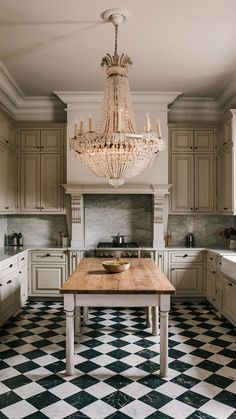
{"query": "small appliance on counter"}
[(13, 239), (189, 240)]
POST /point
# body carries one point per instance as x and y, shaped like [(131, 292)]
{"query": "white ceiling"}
[(184, 45)]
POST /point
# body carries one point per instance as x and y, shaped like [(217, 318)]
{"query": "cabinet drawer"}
[(186, 257), (8, 267), (48, 256)]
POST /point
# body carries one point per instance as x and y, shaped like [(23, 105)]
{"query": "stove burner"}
[(112, 245)]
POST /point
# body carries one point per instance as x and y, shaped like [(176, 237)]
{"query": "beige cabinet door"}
[(8, 297), (29, 140), (204, 141), (51, 140), (30, 183), (204, 183), (46, 279), (225, 181), (182, 140), (51, 179), (7, 180), (182, 196), (187, 280), (211, 284), (229, 298), (225, 135)]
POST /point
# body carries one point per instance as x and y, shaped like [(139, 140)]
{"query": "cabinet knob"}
[(74, 256), (191, 209), (196, 208), (225, 208), (42, 207), (6, 207), (20, 272), (225, 142), (48, 255), (22, 258), (191, 147), (0, 285), (196, 148), (230, 284), (9, 282), (172, 269), (37, 207), (37, 146), (10, 266), (185, 256), (42, 146), (213, 272), (7, 141), (160, 256)]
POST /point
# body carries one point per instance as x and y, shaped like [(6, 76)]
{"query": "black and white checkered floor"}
[(117, 363)]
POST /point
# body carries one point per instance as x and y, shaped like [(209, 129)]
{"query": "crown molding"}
[(21, 107), (227, 96), (191, 109), (85, 100)]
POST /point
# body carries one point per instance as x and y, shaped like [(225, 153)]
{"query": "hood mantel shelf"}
[(79, 189), (77, 219)]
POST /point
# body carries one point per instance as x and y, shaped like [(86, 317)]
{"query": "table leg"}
[(148, 316), (77, 321), (164, 311), (155, 328), (85, 315), (69, 310)]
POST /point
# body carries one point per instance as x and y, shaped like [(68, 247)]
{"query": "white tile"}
[(8, 373), (216, 409), (102, 373), (179, 338), (199, 373), (177, 409), (103, 360), (105, 348), (227, 372), (100, 390), (232, 387), (37, 374), (29, 390), (211, 348), (137, 410), (171, 389), (59, 410), (45, 360), (3, 388), (15, 360), (132, 348), (135, 390), (184, 348), (133, 360), (134, 373), (64, 390), (19, 410), (190, 359), (98, 410), (219, 359), (206, 389), (24, 348)]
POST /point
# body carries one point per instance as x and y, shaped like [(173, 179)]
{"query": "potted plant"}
[(230, 233)]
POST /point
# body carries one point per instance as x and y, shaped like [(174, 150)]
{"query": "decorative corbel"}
[(76, 209), (158, 208)]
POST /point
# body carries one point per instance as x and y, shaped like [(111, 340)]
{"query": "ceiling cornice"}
[(21, 107), (191, 109)]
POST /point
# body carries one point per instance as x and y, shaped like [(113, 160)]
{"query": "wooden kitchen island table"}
[(143, 285)]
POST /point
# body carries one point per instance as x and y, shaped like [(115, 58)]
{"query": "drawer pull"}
[(22, 258), (6, 207), (20, 272), (0, 285), (10, 266), (211, 258), (185, 256), (9, 282), (225, 208), (172, 269), (213, 272), (74, 256), (160, 256), (48, 255), (37, 207), (230, 284), (225, 142)]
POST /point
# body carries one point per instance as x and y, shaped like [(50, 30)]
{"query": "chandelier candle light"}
[(114, 150)]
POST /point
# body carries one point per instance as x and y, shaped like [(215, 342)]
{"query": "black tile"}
[(179, 366), (201, 353), (152, 381), (42, 400), (117, 399), (36, 415), (227, 398), (227, 352), (87, 366), (80, 399), (119, 343), (118, 354), (174, 353), (34, 354), (118, 415), (118, 381), (200, 415), (8, 398), (193, 399), (26, 366), (118, 366), (219, 381), (147, 353), (185, 380), (149, 366), (56, 366), (84, 381), (89, 354), (220, 342), (17, 381), (50, 381), (155, 399)]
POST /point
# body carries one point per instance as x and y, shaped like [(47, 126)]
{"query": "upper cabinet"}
[(192, 170), (7, 133), (41, 156), (226, 168)]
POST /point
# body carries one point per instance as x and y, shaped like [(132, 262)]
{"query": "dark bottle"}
[(20, 239), (189, 240)]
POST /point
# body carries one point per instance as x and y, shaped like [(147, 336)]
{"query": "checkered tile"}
[(117, 366)]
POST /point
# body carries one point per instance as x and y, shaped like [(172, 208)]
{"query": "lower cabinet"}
[(23, 276), (74, 259), (229, 299), (186, 279), (186, 272), (9, 290), (48, 271)]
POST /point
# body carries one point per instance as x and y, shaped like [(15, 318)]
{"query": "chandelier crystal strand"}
[(114, 150)]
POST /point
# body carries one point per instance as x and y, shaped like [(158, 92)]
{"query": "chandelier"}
[(115, 150)]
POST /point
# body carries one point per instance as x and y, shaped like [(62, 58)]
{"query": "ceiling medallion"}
[(115, 150)]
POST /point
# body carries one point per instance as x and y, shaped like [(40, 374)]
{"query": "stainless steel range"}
[(121, 250)]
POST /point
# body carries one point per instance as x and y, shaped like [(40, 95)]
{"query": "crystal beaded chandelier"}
[(115, 150)]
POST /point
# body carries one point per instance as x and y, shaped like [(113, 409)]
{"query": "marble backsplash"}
[(42, 230), (205, 228), (108, 215), (3, 229)]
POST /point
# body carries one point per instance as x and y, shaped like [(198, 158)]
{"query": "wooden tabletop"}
[(143, 277)]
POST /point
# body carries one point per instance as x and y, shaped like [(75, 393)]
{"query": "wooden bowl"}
[(116, 265)]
